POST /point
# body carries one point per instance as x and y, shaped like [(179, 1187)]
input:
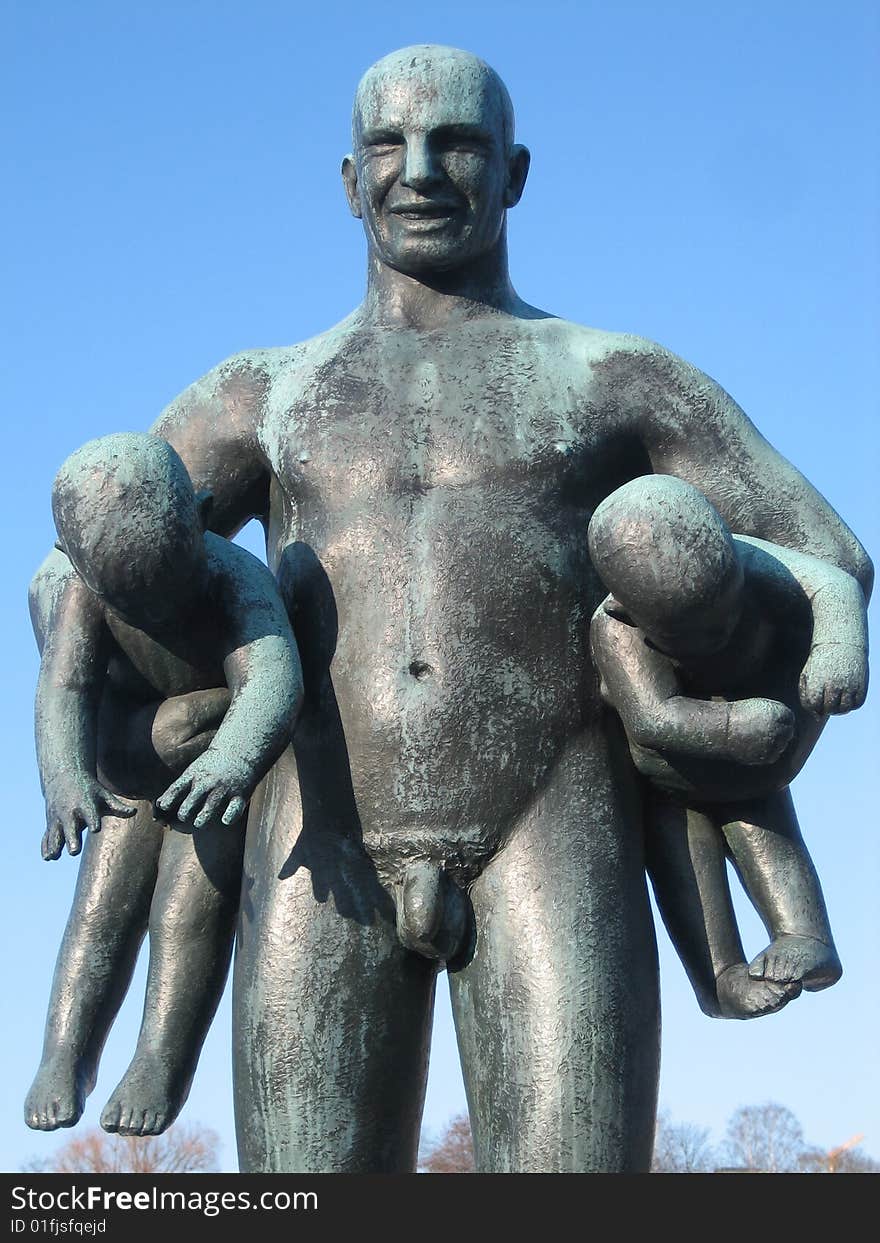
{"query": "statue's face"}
[(432, 172)]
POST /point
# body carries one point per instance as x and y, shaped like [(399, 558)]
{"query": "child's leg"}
[(142, 748), (192, 926), (688, 867), (778, 875), (108, 919)]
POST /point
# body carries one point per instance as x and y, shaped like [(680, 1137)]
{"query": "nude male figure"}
[(426, 471)]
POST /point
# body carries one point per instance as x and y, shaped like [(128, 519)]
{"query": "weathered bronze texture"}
[(457, 790), (169, 672), (724, 656)]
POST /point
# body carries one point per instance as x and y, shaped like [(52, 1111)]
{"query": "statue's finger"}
[(72, 834), (212, 804), (115, 806), (808, 695), (192, 801), (234, 810), (88, 815), (832, 700), (53, 841), (176, 791)]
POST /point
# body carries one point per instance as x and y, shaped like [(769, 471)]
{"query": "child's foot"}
[(147, 1100), (58, 1094), (740, 996), (805, 959)]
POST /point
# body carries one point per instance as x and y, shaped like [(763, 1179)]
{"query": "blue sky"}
[(703, 173)]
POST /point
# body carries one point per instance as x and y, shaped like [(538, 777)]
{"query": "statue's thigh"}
[(557, 1012), (117, 875), (332, 1017)]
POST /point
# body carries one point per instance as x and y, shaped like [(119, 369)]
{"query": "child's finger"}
[(210, 807), (234, 810), (176, 791), (192, 800)]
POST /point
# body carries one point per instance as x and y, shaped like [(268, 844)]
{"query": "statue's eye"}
[(384, 143)]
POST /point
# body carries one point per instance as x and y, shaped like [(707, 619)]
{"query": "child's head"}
[(129, 520), (668, 557)]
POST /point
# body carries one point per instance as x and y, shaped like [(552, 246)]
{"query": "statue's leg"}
[(98, 953), (778, 875), (557, 1012), (192, 925), (687, 861), (332, 1016)]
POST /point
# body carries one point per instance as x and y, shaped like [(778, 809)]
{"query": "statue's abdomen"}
[(461, 665)]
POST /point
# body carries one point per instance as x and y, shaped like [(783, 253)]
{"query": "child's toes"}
[(758, 966)]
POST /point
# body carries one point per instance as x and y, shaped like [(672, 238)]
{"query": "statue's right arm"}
[(213, 426), (71, 676)]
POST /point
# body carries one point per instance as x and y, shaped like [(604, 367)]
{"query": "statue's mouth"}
[(424, 211)]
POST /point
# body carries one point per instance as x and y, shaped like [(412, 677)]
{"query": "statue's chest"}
[(404, 421)]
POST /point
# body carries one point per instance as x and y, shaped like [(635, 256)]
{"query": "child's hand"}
[(73, 804), (834, 679), (761, 729), (210, 783)]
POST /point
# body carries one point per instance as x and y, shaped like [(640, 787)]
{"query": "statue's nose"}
[(420, 167)]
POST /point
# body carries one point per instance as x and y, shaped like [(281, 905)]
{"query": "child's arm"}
[(641, 684), (69, 686), (835, 676), (263, 673)]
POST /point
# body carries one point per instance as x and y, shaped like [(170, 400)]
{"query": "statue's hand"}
[(834, 679), (213, 785), (74, 803), (760, 729)]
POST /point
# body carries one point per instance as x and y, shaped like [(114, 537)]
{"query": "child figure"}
[(723, 656), (158, 609)]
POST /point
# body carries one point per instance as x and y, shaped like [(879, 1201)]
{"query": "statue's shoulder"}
[(600, 346), (266, 365)]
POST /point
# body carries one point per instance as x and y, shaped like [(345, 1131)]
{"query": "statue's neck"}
[(431, 300)]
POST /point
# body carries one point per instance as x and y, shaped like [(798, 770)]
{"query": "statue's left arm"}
[(690, 427), (834, 679)]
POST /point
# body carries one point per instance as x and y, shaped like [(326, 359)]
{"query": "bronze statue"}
[(157, 609), (724, 657), (456, 791)]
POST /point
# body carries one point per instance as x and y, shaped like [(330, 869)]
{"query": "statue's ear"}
[(350, 181), (205, 505), (517, 171), (615, 609)]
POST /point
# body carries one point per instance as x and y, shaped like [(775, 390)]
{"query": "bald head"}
[(435, 167), (129, 520), (129, 485), (453, 80), (665, 553)]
